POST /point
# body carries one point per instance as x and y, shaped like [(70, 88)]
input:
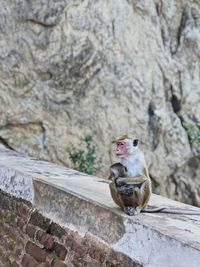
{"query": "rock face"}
[(104, 67)]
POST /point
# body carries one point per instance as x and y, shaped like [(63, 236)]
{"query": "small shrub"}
[(85, 160), (192, 132)]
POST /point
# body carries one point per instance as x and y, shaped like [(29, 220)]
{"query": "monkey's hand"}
[(126, 190), (120, 181)]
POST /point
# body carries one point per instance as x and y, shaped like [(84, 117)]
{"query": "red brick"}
[(96, 254), (60, 250), (39, 220), (2, 213), (21, 224), (45, 239), (42, 265), (39, 235), (36, 252), (21, 241), (11, 244), (123, 259), (49, 261), (15, 234), (13, 205), (79, 262), (15, 264), (3, 239), (76, 246), (11, 230), (4, 201), (69, 241), (31, 230), (79, 248), (5, 262), (57, 230), (9, 217), (18, 252), (28, 261), (7, 243), (113, 263), (23, 210), (59, 263)]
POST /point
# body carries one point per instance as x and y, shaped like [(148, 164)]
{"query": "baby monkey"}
[(123, 191), (118, 171)]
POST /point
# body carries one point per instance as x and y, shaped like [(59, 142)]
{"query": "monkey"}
[(135, 198), (130, 184), (126, 191)]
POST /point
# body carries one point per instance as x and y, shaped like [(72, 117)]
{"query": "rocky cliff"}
[(104, 67)]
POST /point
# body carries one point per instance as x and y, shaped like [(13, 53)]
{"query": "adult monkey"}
[(130, 185)]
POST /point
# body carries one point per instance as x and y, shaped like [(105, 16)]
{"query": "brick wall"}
[(29, 239)]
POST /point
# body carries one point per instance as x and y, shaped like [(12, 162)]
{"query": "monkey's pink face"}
[(121, 148)]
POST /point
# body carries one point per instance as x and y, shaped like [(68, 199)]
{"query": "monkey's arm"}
[(139, 179), (131, 180)]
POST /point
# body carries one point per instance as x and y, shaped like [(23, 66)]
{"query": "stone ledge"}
[(83, 203)]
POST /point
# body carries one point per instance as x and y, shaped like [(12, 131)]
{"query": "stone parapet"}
[(64, 215)]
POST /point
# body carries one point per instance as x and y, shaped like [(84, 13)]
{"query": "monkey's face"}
[(126, 146), (121, 148)]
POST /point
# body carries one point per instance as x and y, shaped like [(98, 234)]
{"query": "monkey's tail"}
[(171, 211), (154, 210)]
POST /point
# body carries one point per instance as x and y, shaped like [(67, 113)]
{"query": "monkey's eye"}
[(121, 144), (135, 142)]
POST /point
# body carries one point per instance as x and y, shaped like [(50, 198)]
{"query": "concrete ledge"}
[(83, 203)]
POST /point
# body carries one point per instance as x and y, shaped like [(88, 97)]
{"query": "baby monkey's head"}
[(118, 170)]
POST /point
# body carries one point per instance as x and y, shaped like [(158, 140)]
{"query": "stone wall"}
[(29, 239), (71, 67), (58, 217)]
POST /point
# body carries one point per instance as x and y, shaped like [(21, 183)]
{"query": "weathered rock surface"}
[(73, 67)]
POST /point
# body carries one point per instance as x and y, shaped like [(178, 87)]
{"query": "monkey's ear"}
[(135, 142)]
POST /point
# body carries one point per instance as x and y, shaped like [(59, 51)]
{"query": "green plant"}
[(155, 185), (85, 160), (192, 132), (12, 241)]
